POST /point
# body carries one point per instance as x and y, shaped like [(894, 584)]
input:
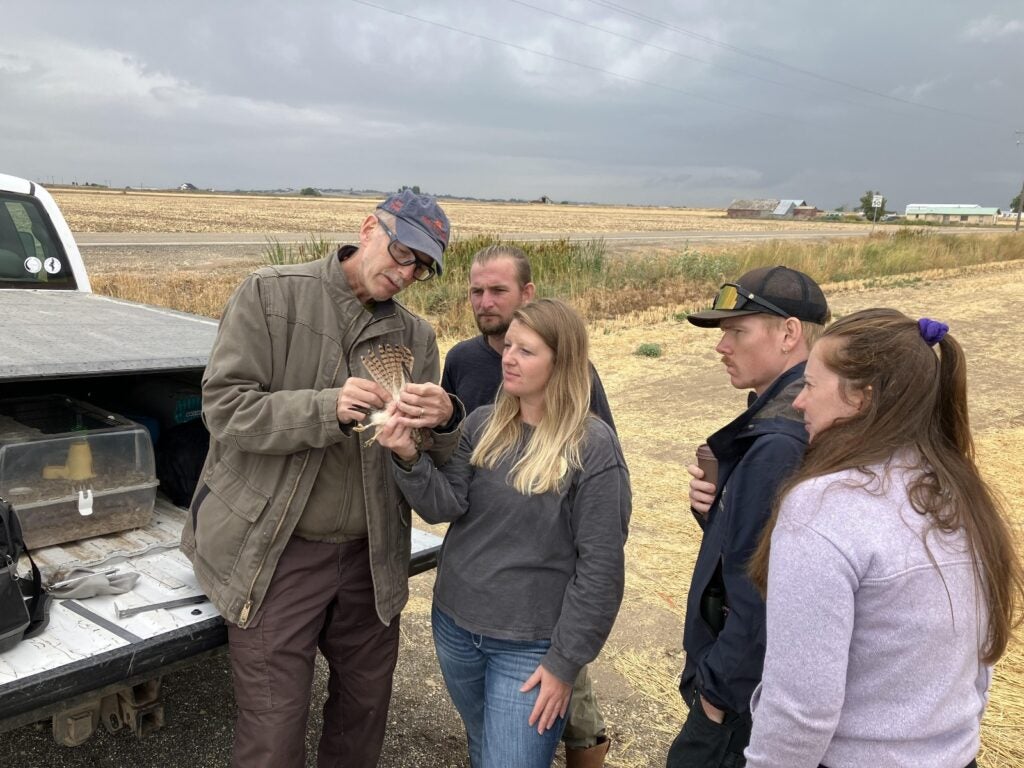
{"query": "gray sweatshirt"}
[(873, 649), (514, 567)]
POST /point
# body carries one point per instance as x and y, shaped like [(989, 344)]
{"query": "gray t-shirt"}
[(514, 567)]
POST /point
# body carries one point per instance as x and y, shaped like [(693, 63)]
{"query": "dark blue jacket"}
[(755, 453)]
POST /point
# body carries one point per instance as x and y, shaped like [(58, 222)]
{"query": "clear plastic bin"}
[(72, 470)]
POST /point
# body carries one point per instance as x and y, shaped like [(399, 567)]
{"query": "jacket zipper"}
[(243, 617), (384, 484)]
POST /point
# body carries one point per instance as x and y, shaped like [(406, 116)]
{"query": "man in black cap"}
[(298, 532), (769, 318)]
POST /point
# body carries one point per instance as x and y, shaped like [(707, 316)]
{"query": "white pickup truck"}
[(100, 660)]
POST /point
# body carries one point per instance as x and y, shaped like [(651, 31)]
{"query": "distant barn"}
[(952, 214), (771, 209)]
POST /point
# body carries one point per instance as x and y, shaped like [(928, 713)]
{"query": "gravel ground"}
[(423, 727)]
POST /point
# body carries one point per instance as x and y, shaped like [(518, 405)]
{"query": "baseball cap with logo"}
[(779, 291), (420, 224)]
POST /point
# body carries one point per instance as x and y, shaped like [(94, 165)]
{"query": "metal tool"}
[(123, 613)]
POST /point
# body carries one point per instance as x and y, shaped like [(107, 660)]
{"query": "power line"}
[(580, 64), (680, 54), (768, 59)]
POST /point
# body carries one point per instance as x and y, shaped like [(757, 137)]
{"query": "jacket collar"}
[(772, 412), (341, 292)]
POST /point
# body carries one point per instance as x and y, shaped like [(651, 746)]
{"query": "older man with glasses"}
[(768, 318), (298, 532)]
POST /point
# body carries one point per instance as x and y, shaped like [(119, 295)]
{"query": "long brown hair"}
[(555, 445), (914, 399)]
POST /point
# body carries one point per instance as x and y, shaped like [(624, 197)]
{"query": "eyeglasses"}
[(732, 296), (424, 269)]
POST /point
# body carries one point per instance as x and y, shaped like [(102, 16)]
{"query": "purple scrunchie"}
[(932, 331)]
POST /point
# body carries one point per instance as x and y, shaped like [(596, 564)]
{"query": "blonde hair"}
[(810, 332), (553, 450), (516, 255)]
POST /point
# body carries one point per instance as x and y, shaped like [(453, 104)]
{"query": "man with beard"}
[(500, 281)]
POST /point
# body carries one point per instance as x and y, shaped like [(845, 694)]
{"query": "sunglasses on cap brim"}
[(732, 297)]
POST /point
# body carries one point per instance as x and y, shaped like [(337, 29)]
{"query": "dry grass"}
[(667, 405), (664, 407)]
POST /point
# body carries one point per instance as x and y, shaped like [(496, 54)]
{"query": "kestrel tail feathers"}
[(390, 366)]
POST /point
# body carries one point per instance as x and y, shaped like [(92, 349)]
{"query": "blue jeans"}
[(483, 675)]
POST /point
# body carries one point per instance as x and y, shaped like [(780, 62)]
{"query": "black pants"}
[(703, 743)]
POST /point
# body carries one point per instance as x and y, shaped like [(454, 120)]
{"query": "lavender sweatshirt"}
[(873, 651)]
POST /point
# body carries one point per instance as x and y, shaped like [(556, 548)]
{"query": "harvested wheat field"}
[(663, 406), (102, 211)]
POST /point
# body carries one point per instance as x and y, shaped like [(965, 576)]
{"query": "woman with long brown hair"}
[(891, 577)]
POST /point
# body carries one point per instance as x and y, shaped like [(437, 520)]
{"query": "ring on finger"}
[(422, 411)]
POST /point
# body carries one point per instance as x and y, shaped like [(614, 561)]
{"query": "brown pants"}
[(321, 596)]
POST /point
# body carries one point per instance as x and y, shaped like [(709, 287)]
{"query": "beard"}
[(492, 325)]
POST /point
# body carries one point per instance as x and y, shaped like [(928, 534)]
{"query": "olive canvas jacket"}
[(289, 338)]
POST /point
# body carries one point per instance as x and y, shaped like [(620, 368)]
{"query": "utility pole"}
[(1020, 200)]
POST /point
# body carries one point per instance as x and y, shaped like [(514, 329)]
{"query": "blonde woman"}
[(532, 568)]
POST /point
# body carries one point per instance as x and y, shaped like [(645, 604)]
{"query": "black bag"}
[(24, 606), (180, 454)]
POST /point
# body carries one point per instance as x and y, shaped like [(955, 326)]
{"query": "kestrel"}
[(391, 367)]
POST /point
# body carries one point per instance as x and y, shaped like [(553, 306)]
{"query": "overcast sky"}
[(634, 101)]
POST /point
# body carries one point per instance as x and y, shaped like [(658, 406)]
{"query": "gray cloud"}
[(497, 99)]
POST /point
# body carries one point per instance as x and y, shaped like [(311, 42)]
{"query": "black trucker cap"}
[(779, 291)]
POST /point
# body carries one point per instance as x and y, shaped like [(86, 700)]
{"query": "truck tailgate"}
[(86, 646), (43, 334)]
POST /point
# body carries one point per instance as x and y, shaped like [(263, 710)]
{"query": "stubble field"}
[(663, 407), (92, 211)]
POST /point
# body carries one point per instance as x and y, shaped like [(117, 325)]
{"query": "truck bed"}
[(96, 348), (85, 647), (43, 334)]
